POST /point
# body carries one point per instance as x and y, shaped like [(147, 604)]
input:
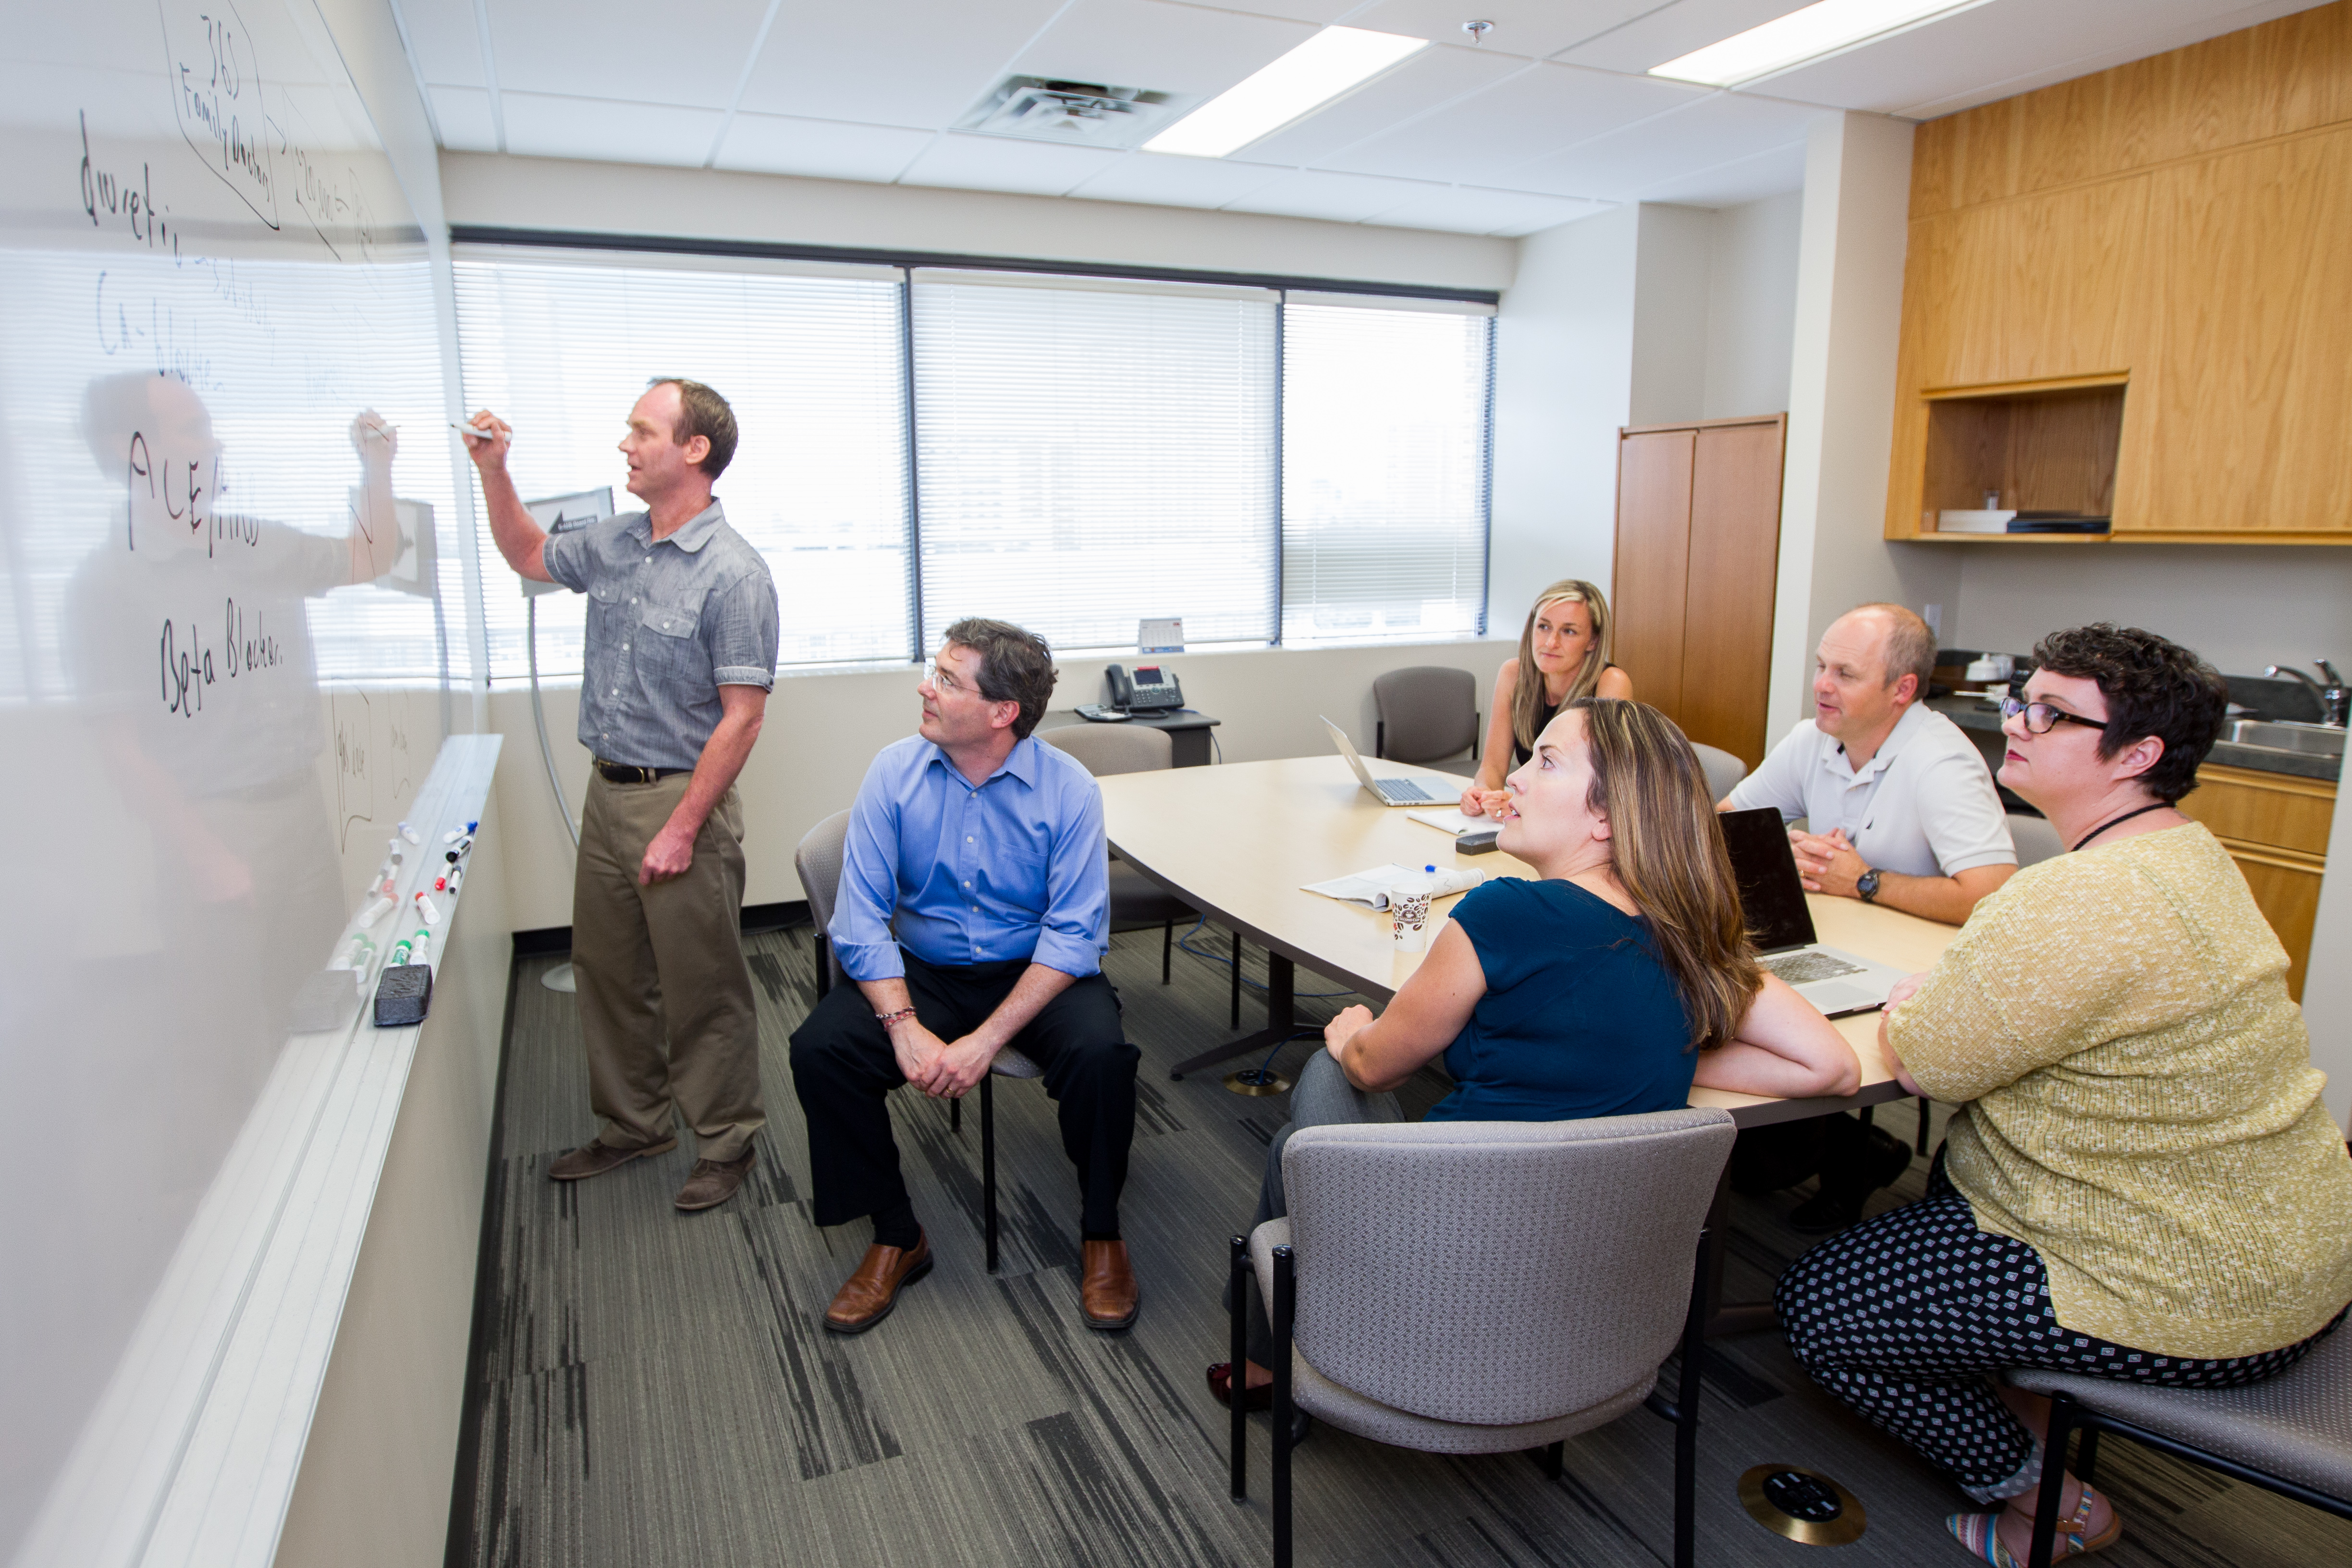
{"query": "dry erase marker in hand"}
[(477, 433)]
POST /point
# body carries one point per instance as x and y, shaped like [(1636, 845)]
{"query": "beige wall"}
[(625, 198), (823, 729), (1842, 401)]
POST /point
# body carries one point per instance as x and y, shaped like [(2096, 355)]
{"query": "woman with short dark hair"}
[(1606, 988), (2141, 1182)]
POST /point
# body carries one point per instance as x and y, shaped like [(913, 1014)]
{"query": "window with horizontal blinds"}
[(811, 360), (1092, 453), (1385, 438)]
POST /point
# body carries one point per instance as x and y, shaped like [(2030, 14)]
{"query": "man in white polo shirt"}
[(1899, 810), (1899, 807)]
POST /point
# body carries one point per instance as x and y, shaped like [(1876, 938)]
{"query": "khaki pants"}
[(663, 964)]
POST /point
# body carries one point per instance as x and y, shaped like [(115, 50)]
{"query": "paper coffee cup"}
[(1409, 919)]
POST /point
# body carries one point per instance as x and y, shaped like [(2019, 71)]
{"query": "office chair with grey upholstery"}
[(818, 860), (1485, 1287), (1427, 714), (1135, 898), (2291, 1434), (1722, 769)]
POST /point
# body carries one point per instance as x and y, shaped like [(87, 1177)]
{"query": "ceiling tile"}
[(1343, 198), (1153, 44), (1425, 82), (1164, 180), (613, 49), (447, 44), (540, 125), (1530, 29), (1626, 165), (819, 149), (1540, 109), (1464, 209), (920, 63), (463, 115), (1774, 172), (1319, 12), (1671, 31), (2008, 46), (1004, 163)]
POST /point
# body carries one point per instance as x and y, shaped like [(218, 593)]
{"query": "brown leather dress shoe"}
[(713, 1181), (595, 1157), (866, 1297), (1107, 1289)]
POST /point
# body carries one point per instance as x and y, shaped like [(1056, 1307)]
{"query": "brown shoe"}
[(713, 1181), (866, 1297), (595, 1157), (1108, 1287)]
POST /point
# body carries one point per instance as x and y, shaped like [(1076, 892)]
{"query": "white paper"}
[(1452, 820), (1371, 888)]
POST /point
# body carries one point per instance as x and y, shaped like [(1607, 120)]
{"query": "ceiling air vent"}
[(1083, 114)]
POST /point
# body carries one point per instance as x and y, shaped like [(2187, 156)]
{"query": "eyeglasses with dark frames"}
[(2041, 715)]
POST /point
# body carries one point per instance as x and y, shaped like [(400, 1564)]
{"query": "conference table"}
[(1240, 840)]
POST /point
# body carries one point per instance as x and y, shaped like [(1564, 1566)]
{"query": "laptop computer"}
[(1772, 897), (1388, 792)]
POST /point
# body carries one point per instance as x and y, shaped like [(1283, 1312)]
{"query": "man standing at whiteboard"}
[(679, 659)]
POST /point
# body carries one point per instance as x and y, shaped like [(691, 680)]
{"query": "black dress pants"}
[(843, 1068)]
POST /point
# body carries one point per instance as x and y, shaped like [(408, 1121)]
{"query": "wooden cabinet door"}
[(1735, 554), (1653, 566), (2275, 827), (2286, 890)]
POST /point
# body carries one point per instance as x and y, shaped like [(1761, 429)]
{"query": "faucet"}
[(2335, 697)]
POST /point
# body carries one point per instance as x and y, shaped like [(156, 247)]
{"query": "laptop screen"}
[(1771, 895)]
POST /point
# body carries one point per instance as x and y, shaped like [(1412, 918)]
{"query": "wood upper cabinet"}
[(2275, 827), (2180, 227), (1698, 544)]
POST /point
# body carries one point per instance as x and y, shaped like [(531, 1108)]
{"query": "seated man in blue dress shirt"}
[(987, 848)]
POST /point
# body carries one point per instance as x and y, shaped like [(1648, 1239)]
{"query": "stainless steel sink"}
[(2311, 740)]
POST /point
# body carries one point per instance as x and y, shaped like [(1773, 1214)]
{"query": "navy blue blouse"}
[(1579, 1018)]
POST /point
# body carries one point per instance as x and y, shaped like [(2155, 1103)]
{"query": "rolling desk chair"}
[(1428, 713), (1135, 898)]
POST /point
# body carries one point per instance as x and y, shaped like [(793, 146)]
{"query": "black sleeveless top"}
[(1544, 716)]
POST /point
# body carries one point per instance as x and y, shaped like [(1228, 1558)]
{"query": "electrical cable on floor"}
[(1184, 945)]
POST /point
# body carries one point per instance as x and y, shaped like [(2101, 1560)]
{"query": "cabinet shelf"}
[(2040, 446)]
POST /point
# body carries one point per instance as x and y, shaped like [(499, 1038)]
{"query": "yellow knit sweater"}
[(2140, 1102)]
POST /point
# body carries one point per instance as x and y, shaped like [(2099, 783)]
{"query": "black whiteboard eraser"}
[(1476, 841), (403, 994)]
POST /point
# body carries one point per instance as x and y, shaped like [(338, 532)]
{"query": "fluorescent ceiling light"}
[(1800, 35), (1335, 60)]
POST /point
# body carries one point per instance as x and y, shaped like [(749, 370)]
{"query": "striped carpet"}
[(653, 1388)]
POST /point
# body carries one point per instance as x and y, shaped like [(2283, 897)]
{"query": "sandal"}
[(1220, 1383), (1980, 1533)]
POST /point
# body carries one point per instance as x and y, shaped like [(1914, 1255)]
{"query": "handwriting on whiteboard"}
[(219, 100)]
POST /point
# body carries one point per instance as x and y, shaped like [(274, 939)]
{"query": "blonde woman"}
[(1563, 656), (1607, 986)]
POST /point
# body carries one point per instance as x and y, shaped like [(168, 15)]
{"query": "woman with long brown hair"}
[(1563, 658), (1607, 987)]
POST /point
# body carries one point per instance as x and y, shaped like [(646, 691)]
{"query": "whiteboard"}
[(212, 710)]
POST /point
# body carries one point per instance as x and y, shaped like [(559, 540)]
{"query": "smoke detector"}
[(1085, 114)]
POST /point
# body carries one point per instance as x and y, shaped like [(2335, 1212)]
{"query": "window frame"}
[(480, 239)]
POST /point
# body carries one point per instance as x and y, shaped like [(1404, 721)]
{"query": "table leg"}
[(1724, 1317), (1281, 1021)]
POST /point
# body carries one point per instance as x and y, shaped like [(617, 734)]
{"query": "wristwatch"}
[(1867, 885)]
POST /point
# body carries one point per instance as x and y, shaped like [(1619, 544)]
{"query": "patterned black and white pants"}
[(1905, 1316)]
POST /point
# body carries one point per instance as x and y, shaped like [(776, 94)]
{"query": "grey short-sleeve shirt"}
[(670, 622)]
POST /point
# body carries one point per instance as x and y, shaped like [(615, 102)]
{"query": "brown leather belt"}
[(621, 773)]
